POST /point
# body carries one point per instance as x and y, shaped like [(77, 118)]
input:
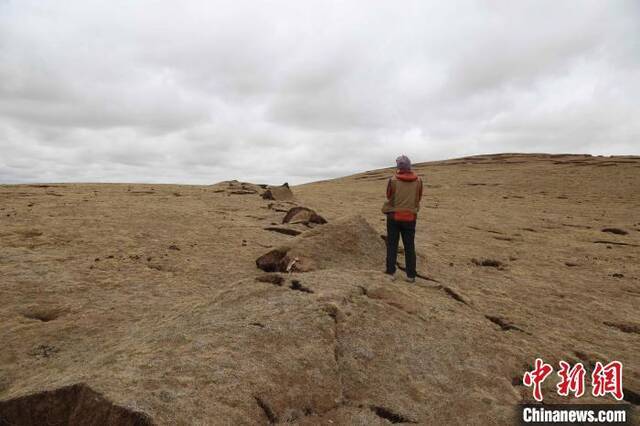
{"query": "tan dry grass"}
[(156, 303)]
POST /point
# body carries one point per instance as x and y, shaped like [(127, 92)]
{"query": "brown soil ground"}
[(144, 302)]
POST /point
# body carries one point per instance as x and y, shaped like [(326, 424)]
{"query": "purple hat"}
[(403, 163)]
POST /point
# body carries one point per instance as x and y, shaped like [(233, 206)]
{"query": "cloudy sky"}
[(273, 91)]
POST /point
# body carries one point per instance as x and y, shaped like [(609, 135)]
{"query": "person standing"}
[(404, 193)]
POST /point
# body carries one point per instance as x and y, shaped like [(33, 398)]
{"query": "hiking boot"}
[(392, 277), (410, 279)]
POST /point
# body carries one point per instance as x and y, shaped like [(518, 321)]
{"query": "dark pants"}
[(408, 231)]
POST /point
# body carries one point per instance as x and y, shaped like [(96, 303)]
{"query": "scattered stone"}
[(174, 247)]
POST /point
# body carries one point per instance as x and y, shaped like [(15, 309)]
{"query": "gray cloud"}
[(297, 91)]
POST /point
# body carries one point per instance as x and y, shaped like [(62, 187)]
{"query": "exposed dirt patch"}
[(303, 215), (44, 314), (44, 351), (391, 416), (296, 285), (71, 405), (274, 279), (616, 231), (624, 327), (492, 263)]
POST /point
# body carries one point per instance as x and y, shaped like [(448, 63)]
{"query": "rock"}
[(349, 243), (303, 215)]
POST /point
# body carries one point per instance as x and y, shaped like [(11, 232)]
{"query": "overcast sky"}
[(274, 91)]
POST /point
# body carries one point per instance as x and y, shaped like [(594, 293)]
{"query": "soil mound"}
[(303, 215), (278, 193), (234, 187), (70, 405), (348, 243)]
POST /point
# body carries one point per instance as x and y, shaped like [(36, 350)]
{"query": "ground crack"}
[(625, 328), (504, 324), (333, 312), (268, 411), (389, 415)]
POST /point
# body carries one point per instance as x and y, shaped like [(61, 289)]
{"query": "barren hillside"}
[(137, 304)]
